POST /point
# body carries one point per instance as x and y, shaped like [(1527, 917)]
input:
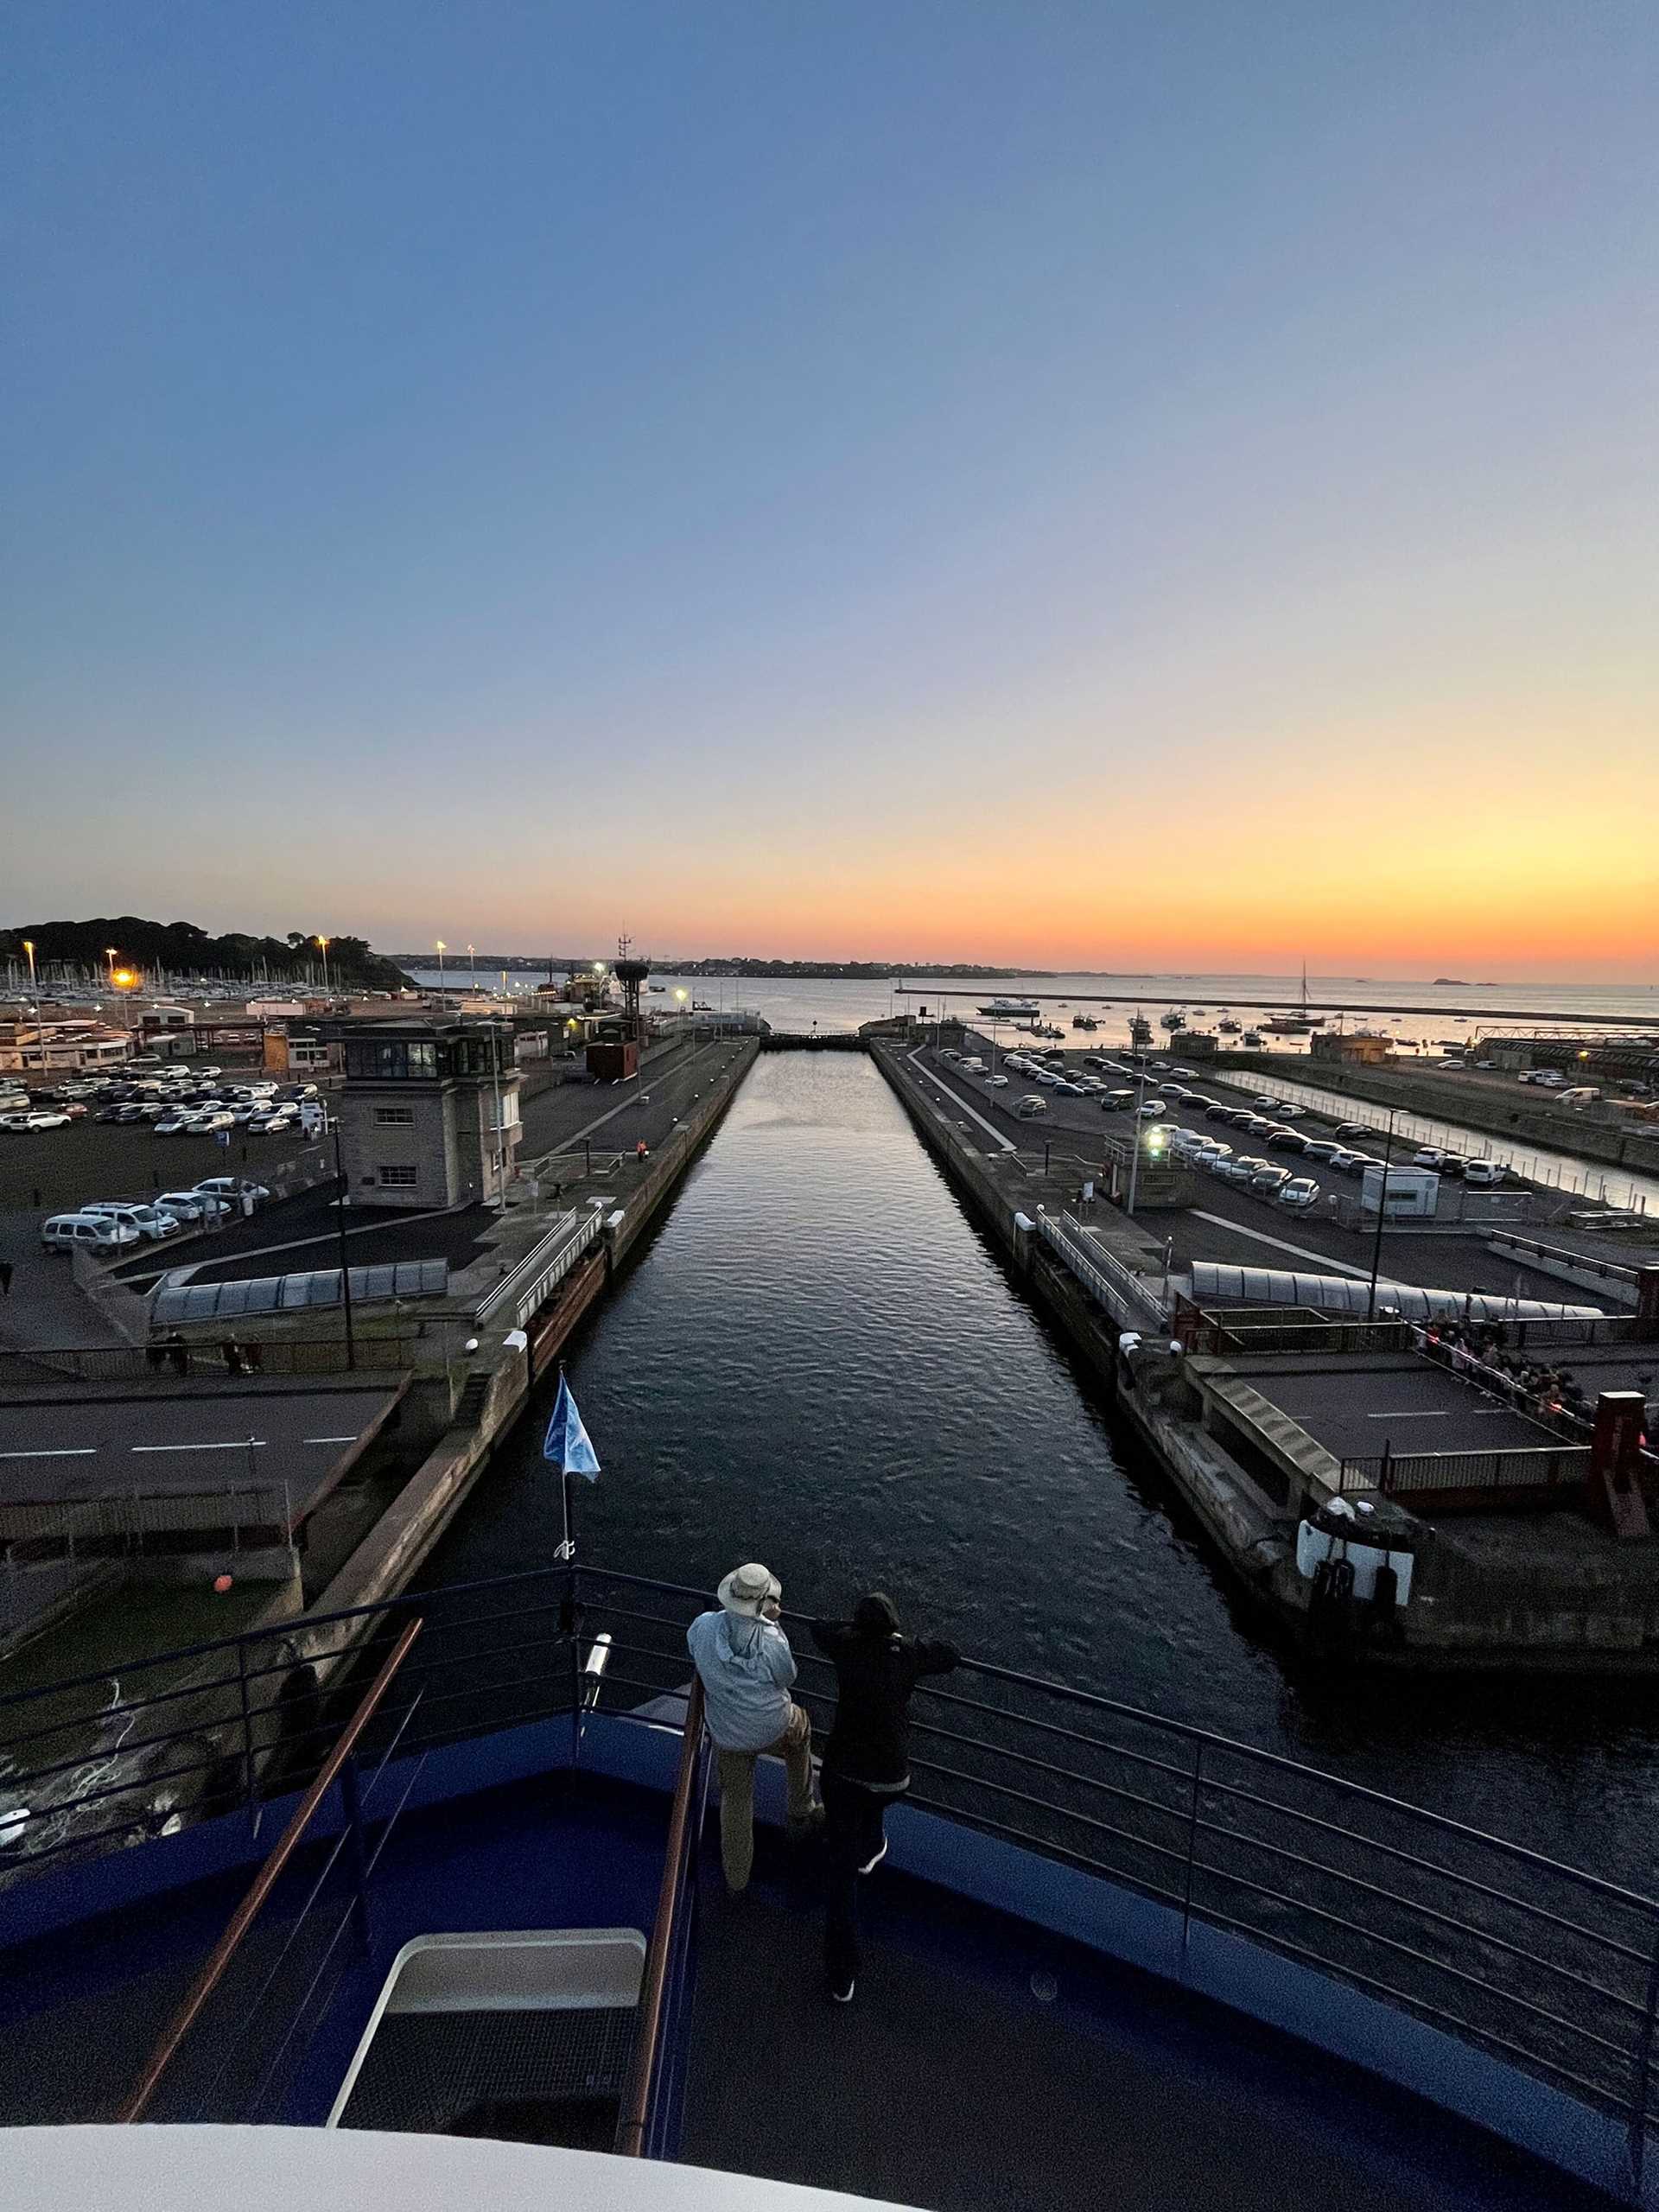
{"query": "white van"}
[(93, 1232), (1031, 1108), (1484, 1174)]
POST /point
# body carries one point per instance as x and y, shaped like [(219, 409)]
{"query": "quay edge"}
[(1513, 1609), (501, 1380)]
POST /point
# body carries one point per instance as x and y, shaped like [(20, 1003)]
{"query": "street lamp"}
[(1135, 1138), (34, 993), (323, 943), (442, 986), (1382, 1208), (109, 954), (472, 958)]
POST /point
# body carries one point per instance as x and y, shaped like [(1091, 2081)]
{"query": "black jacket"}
[(875, 1672)]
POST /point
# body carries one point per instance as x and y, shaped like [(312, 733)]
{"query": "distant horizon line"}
[(992, 970)]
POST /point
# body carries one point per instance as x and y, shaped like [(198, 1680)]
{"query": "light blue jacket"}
[(746, 1668)]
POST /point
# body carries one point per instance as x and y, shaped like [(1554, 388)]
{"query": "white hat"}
[(746, 1589)]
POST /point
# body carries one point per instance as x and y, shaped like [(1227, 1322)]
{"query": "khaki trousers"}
[(794, 1747)]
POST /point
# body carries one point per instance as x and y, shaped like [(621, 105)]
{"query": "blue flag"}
[(568, 1445)]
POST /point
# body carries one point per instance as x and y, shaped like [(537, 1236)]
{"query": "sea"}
[(1457, 1010)]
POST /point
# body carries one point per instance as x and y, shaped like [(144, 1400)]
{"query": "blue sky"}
[(908, 478)]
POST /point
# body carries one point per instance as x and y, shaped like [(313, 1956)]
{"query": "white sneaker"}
[(876, 1861)]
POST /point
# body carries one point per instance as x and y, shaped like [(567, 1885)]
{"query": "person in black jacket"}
[(866, 1759)]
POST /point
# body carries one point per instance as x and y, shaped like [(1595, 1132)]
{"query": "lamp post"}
[(323, 943), (1135, 1137), (442, 986), (472, 962), (34, 993), (1382, 1209), (345, 1270), (109, 954)]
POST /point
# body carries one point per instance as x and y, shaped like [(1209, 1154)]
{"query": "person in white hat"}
[(747, 1667)]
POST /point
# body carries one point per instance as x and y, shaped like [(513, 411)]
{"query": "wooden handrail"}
[(653, 1988), (208, 1980)]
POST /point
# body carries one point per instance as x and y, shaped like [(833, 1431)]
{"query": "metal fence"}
[(1550, 1969), (37, 1529), (275, 1355), (1481, 1477)]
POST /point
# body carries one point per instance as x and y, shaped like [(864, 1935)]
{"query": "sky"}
[(1083, 485)]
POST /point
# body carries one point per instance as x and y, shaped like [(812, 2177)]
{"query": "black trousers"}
[(853, 1833)]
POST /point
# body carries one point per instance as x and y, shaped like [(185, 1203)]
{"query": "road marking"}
[(231, 1444), (957, 1099), (328, 1440), (69, 1451), (1326, 1264), (1415, 1412)]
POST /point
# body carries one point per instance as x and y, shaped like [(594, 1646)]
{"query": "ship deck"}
[(983, 2065)]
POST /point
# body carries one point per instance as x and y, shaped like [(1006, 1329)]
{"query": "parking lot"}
[(1227, 1221), (54, 1170)]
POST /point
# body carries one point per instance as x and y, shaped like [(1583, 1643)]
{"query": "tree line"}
[(182, 949)]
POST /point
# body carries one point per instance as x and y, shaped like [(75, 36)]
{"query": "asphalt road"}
[(616, 1116), (96, 1445), (1231, 1224), (1422, 1409)]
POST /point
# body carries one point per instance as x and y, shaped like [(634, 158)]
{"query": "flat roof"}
[(63, 1448), (1354, 1410)]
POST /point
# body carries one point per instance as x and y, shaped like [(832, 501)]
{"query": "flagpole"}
[(567, 1550)]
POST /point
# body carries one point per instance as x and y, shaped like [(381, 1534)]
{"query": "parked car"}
[(64, 1231), (1240, 1171), (19, 1124), (153, 1222), (1352, 1129), (286, 1121), (1428, 1156), (1153, 1109), (1321, 1147), (233, 1187), (1268, 1180), (206, 1123), (1285, 1141), (1301, 1192), (1258, 1125), (1345, 1162), (1484, 1174), (203, 1206)]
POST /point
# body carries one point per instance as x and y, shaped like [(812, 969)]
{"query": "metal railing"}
[(1586, 1262), (337, 1765), (649, 2101), (541, 1269), (1552, 1970), (1126, 1297), (1480, 1476), (35, 1529), (163, 1362)]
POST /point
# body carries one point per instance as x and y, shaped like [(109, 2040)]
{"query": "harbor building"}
[(428, 1112)]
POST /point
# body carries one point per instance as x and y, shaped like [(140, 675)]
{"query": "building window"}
[(387, 1117), (395, 1060), (397, 1178)]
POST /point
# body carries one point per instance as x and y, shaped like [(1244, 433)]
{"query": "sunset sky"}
[(1088, 484)]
